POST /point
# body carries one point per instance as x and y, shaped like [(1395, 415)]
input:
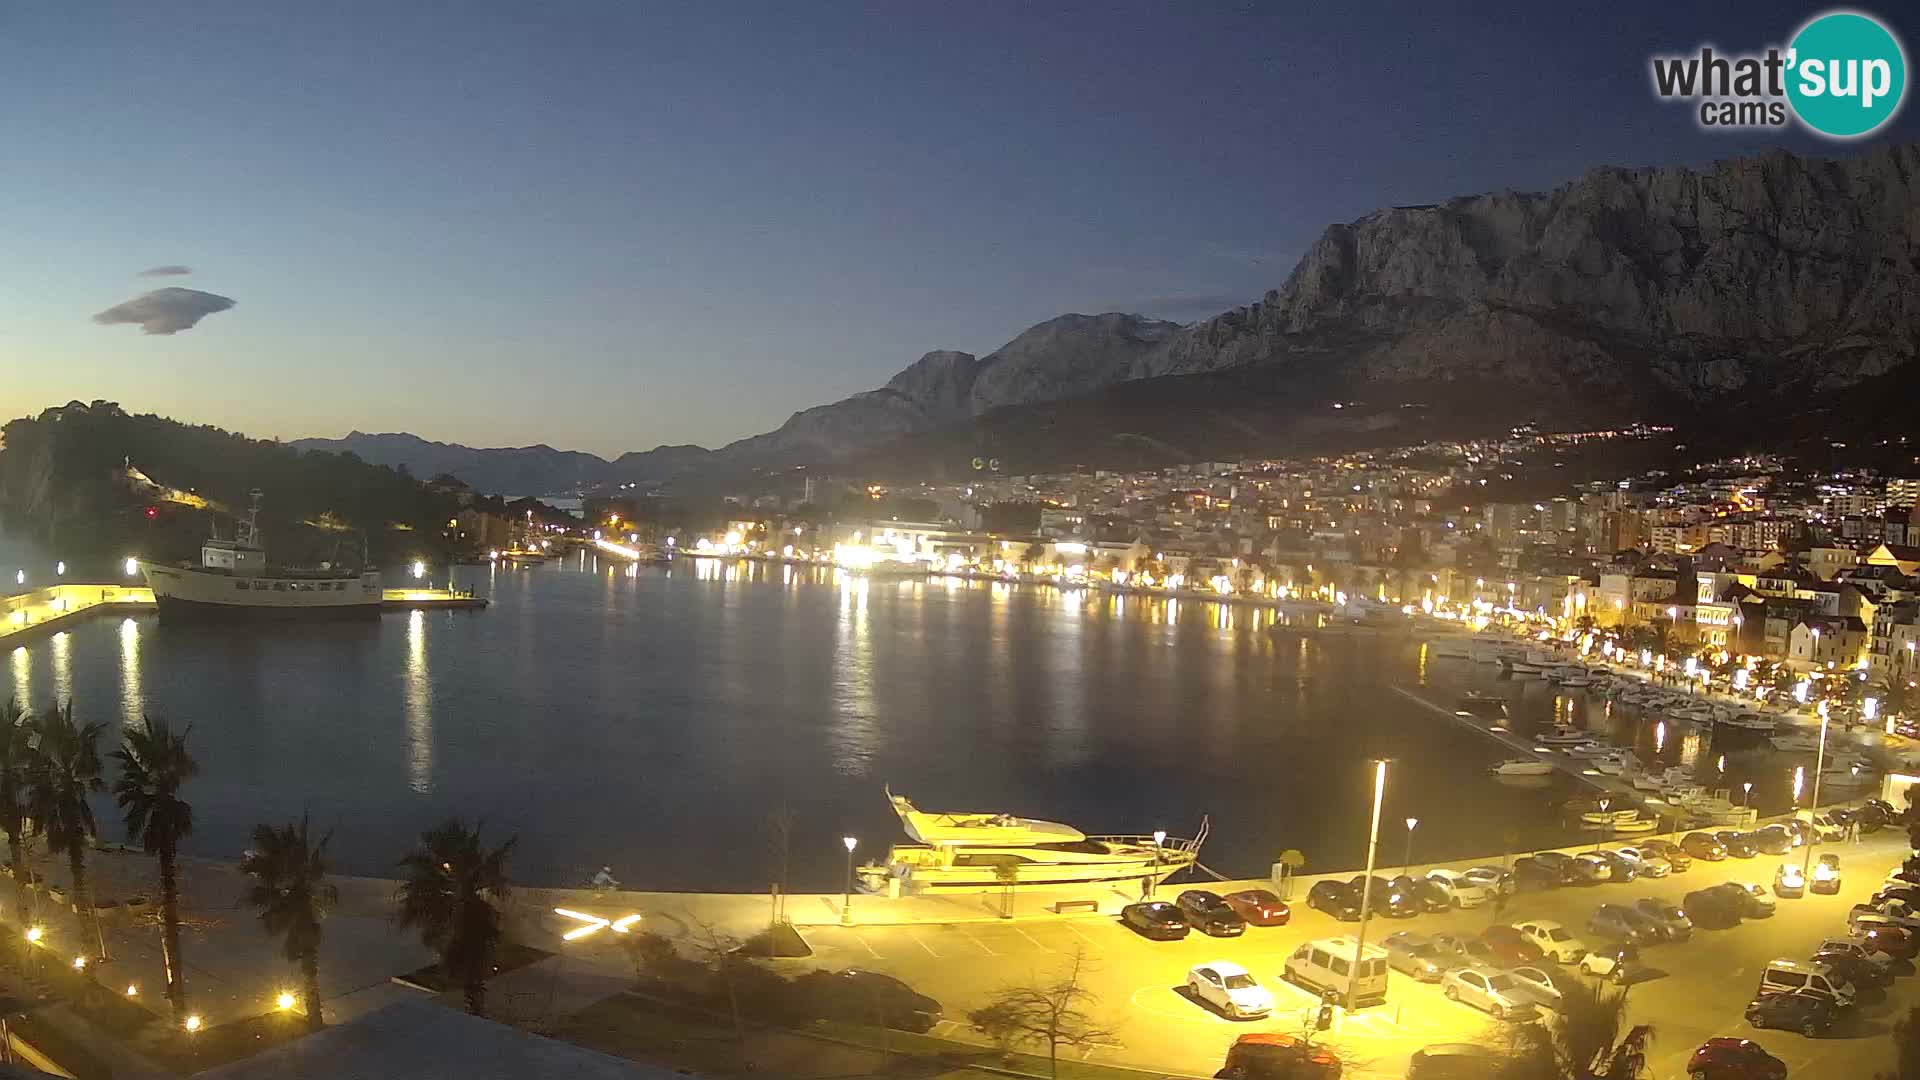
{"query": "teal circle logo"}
[(1847, 74)]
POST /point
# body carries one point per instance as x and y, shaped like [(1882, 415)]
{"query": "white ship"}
[(233, 582), (968, 851)]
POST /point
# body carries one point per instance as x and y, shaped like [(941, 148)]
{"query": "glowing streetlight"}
[(846, 899), (60, 568), (132, 990), (192, 1023), (1746, 794), (419, 569), (1366, 890), (34, 934), (79, 963), (132, 566), (284, 1001)]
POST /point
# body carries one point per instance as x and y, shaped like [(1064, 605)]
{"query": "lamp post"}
[(846, 899), (1813, 807), (1746, 795), (1605, 802), (1153, 879), (1366, 890), (1406, 866)]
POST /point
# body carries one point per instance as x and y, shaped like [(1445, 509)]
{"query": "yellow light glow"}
[(34, 934), (132, 990), (621, 924), (79, 963), (284, 1001), (193, 1022)]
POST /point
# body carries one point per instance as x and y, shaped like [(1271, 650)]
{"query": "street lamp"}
[(419, 569), (1407, 865), (1746, 794), (1153, 879), (846, 901), (1813, 806), (1366, 890), (133, 566)]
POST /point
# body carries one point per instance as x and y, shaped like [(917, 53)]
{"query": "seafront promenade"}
[(32, 615)]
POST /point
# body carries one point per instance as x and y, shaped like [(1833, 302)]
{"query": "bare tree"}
[(719, 952), (1054, 1013)]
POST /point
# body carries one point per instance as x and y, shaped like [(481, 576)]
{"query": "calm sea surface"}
[(654, 721)]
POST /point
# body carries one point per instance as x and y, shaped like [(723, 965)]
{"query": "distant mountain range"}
[(1764, 283)]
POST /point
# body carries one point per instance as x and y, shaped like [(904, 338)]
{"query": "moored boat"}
[(233, 581), (1522, 767)]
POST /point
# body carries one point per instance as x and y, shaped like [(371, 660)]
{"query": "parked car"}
[(1547, 988), (1667, 915), (1808, 1014), (1737, 844), (1827, 828), (1431, 895), (1462, 890), (1788, 881), (1503, 946), (1727, 1058), (1155, 919), (1258, 907), (1896, 941), (1336, 899), (1712, 909), (1679, 859), (861, 996), (1855, 947), (1533, 872), (1771, 841), (1414, 955), (1617, 962), (1703, 846), (1273, 1055), (1864, 919), (1385, 898), (1906, 894), (1590, 868), (1618, 922), (1796, 977), (1554, 940), (1452, 948), (1646, 862), (1618, 866), (1826, 874), (1862, 973), (1493, 879), (1229, 988), (1209, 914), (1799, 830), (1756, 903), (1452, 1061), (1490, 991)]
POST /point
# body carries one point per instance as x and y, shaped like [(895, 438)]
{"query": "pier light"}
[(133, 566), (419, 569), (35, 933), (60, 568), (79, 963), (846, 898), (192, 1023), (284, 1001), (132, 990), (19, 577)]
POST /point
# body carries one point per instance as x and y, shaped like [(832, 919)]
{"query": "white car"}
[(1645, 863), (1849, 946), (1491, 991), (1228, 987), (1788, 881), (1493, 879), (1462, 890), (1554, 939), (1601, 869), (1543, 986)]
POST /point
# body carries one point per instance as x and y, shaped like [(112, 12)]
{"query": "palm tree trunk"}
[(310, 971), (476, 993), (170, 933)]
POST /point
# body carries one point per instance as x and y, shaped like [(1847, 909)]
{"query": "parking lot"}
[(1691, 990)]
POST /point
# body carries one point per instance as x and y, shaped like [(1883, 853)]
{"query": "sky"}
[(610, 226)]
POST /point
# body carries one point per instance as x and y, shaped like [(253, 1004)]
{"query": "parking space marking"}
[(922, 944), (1031, 938), (983, 945), (1083, 935), (864, 943)]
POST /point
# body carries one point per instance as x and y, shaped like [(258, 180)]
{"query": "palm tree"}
[(449, 895), (154, 763), (65, 772), (14, 759), (291, 892), (1587, 1037)]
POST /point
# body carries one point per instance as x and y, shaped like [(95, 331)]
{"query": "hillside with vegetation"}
[(95, 483)]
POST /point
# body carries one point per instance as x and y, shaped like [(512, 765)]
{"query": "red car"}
[(1504, 947), (1274, 1055), (1734, 1059), (1259, 907)]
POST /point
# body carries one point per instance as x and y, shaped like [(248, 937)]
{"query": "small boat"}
[(1636, 825), (1564, 736), (1520, 669), (1522, 767), (1483, 706), (1796, 743)]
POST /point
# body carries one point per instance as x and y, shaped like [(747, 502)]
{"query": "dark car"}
[(1386, 899), (1906, 894), (1429, 895), (1273, 1055), (1336, 899), (1751, 901), (1862, 973), (1542, 872), (1259, 907), (1703, 846), (1771, 841), (1504, 947), (1617, 922), (1895, 941), (1808, 1014), (1155, 919), (1738, 844), (1209, 914), (1712, 909), (1673, 922), (1724, 1058), (1676, 856), (861, 996), (1452, 1061)]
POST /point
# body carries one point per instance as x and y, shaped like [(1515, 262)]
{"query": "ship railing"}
[(1171, 844)]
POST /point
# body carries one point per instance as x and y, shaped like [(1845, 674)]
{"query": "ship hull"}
[(179, 609), (199, 595)]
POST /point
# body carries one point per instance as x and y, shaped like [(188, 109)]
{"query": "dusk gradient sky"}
[(608, 226)]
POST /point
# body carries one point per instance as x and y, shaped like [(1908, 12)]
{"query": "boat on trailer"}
[(968, 850)]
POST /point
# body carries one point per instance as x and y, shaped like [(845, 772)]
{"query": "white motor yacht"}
[(973, 851), (1522, 767)]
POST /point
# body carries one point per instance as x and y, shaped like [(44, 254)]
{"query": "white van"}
[(1326, 967), (1796, 976)]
